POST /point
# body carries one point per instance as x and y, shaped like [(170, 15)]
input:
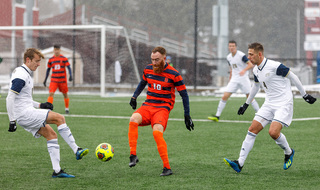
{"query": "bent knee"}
[(133, 119), (136, 117), (274, 134), (61, 119)]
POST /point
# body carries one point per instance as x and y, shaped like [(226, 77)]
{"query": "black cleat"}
[(133, 160), (67, 111), (166, 172)]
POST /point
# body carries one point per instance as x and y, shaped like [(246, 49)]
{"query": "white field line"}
[(171, 119), (142, 100)]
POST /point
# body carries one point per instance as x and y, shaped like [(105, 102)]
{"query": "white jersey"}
[(238, 62), (23, 85), (20, 106), (272, 77)]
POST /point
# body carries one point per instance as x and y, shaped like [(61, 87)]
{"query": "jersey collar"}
[(263, 63), (26, 68)]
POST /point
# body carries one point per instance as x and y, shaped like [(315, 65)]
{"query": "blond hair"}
[(30, 54)]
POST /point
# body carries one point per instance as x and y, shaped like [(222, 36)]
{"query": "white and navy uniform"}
[(275, 78), (238, 62), (20, 105)]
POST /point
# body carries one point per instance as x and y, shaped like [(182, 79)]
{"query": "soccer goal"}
[(103, 54)]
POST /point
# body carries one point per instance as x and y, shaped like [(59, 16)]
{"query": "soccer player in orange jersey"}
[(162, 80), (58, 63)]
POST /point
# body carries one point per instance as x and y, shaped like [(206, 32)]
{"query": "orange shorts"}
[(152, 115), (63, 87)]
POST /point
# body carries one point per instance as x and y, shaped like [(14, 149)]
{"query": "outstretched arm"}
[(137, 92), (142, 84), (307, 97), (295, 80)]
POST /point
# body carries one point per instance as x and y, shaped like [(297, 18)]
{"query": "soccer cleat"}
[(166, 172), (81, 153), (133, 160), (233, 164), (62, 174), (214, 118), (288, 159), (67, 111)]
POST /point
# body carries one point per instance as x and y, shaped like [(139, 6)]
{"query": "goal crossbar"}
[(102, 28)]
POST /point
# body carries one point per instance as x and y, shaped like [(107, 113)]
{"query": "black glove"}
[(12, 126), (310, 99), (70, 78), (242, 109), (188, 122), (45, 83), (133, 103), (46, 105)]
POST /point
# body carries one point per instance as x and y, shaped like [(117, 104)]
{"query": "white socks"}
[(255, 105), (54, 152), (220, 108), (65, 132), (249, 142), (247, 145), (283, 143)]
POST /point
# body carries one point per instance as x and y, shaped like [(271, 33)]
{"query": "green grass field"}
[(196, 157)]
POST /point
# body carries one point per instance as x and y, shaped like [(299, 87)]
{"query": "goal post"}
[(102, 29)]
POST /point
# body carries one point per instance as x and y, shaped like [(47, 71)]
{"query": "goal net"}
[(100, 56)]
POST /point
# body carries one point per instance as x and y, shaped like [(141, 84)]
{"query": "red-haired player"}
[(58, 63), (162, 79)]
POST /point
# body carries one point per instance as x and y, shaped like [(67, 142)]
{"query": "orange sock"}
[(50, 99), (66, 102), (133, 137), (162, 148)]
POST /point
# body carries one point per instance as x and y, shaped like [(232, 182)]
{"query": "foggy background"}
[(273, 23), (278, 25)]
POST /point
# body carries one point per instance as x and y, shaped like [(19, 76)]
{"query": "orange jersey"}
[(58, 65), (161, 87)]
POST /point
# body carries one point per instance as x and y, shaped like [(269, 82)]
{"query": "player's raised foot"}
[(62, 174), (288, 159), (213, 118), (233, 164), (133, 160), (81, 153), (67, 111), (166, 172)]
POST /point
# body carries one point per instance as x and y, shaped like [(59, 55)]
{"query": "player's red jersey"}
[(161, 87), (58, 65)]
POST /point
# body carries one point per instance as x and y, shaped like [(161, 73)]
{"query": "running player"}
[(58, 63), (239, 78), (162, 79), (277, 108), (22, 110)]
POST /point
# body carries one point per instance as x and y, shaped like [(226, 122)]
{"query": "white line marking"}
[(171, 119)]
